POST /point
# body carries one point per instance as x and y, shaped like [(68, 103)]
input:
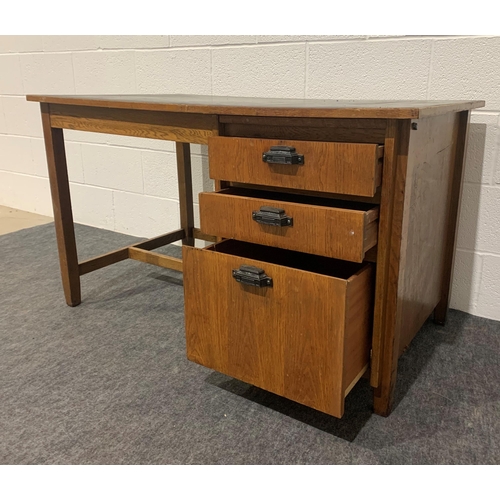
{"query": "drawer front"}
[(340, 233), (334, 167), (306, 337)]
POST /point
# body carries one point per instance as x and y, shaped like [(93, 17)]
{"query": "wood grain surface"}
[(155, 258), (359, 323), (328, 166), (256, 106), (185, 186), (384, 342), (63, 213), (288, 339), (453, 209), (180, 127), (100, 261), (414, 218), (431, 170), (306, 129), (341, 230), (308, 337)]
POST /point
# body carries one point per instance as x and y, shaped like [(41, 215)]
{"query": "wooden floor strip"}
[(202, 236), (157, 259), (160, 241), (89, 265)]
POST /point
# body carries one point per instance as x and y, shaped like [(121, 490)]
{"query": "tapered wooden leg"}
[(383, 397), (441, 309), (63, 214), (184, 178)]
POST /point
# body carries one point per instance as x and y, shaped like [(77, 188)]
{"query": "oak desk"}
[(359, 211)]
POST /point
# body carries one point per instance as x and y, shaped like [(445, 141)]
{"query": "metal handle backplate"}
[(271, 216), (284, 155), (253, 276)]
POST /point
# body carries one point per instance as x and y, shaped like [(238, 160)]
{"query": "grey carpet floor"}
[(108, 382)]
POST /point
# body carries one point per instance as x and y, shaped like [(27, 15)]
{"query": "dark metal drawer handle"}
[(251, 275), (284, 155), (271, 216)]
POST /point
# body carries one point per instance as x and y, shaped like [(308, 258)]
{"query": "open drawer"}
[(294, 324), (334, 228)]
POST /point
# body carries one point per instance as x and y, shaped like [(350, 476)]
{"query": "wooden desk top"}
[(254, 106)]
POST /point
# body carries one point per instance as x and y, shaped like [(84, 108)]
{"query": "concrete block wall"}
[(129, 185)]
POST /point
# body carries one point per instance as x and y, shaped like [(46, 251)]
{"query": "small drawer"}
[(333, 228), (293, 324), (333, 167)]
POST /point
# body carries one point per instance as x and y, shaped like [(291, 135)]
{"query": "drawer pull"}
[(284, 155), (251, 275), (271, 216)]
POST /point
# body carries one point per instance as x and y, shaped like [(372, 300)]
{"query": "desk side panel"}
[(431, 165)]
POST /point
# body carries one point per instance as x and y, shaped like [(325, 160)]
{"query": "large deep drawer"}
[(334, 167), (294, 324), (332, 228)]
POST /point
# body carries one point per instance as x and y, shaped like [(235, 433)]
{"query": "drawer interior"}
[(288, 258), (300, 198)]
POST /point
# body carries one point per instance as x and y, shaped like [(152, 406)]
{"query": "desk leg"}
[(441, 309), (61, 202), (386, 328), (184, 178)]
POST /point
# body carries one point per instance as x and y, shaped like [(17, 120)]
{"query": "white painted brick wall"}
[(11, 80), (3, 123), (15, 44), (144, 215), (93, 206), (482, 148), (159, 171), (167, 71), (25, 192), (47, 73), (247, 71), (54, 43), (489, 291), (113, 70), (133, 41), (74, 160), (21, 117), (112, 167), (380, 69), (16, 154), (129, 184), (210, 40), (466, 67)]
